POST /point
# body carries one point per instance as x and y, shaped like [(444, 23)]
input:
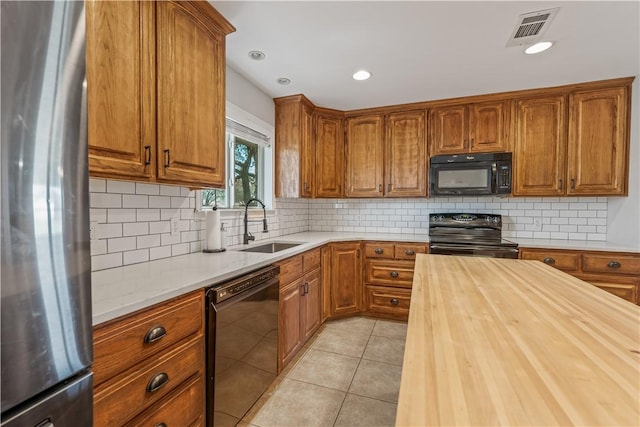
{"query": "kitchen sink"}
[(270, 248)]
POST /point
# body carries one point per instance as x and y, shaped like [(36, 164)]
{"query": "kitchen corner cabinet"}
[(300, 303), (149, 366), (574, 143), (386, 155), (469, 128), (295, 157), (345, 285), (329, 155), (155, 90), (615, 272)]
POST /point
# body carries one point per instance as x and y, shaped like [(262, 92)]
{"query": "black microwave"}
[(481, 174)]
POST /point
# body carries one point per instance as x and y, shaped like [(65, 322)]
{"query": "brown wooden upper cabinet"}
[(598, 146), (574, 143), (469, 128), (155, 89), (295, 153), (329, 155), (386, 155), (540, 146)]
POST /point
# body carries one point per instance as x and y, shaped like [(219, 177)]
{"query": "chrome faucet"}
[(248, 236)]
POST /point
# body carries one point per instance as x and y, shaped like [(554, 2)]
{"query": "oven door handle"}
[(471, 247)]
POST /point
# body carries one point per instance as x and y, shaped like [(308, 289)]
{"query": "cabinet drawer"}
[(121, 344), (121, 398), (388, 300), (611, 263), (311, 260), (290, 270), (390, 273), (409, 251), (183, 407), (379, 250), (626, 291), (562, 260)]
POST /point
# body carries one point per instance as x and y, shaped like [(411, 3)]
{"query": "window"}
[(248, 160)]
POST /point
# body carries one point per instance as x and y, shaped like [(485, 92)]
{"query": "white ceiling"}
[(424, 50)]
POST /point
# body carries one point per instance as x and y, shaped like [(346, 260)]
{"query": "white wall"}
[(624, 212), (244, 94)]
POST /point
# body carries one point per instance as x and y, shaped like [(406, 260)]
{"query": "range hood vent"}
[(531, 26)]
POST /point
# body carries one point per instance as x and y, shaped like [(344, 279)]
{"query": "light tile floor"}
[(348, 374)]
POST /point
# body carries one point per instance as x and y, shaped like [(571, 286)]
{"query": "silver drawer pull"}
[(378, 251), (393, 274), (394, 301), (154, 334), (409, 252), (161, 425), (549, 261), (614, 264), (157, 382)]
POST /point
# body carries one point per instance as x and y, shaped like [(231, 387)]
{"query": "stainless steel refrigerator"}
[(46, 348)]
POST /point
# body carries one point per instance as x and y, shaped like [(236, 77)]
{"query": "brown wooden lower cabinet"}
[(615, 272), (300, 303), (150, 363), (388, 300), (346, 278)]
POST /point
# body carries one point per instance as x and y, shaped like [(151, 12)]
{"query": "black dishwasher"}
[(242, 343)]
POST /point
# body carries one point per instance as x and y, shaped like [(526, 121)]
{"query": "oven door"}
[(474, 250)]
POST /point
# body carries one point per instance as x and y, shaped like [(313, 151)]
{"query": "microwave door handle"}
[(494, 176)]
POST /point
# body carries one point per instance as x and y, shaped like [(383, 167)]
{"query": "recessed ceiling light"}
[(256, 55), (537, 48), (361, 75), (283, 81)]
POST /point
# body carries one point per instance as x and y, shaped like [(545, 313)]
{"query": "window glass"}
[(246, 167)]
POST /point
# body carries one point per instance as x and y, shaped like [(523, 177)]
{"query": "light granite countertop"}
[(123, 290)]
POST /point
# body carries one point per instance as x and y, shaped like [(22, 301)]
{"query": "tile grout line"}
[(354, 373)]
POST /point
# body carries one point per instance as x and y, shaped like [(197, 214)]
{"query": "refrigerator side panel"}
[(45, 262)]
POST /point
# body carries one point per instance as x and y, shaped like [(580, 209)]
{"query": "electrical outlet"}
[(92, 230), (537, 224), (174, 226)]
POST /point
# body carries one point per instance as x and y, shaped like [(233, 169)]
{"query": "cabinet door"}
[(191, 95), (448, 130), (311, 309), (598, 142), (290, 334), (346, 278), (406, 157), (307, 152), (121, 89), (329, 156), (364, 156), (488, 125), (540, 146)]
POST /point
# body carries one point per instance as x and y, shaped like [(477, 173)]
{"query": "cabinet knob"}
[(379, 251), (573, 184), (380, 188), (157, 382), (560, 183), (167, 158), (393, 274), (394, 301), (389, 188), (409, 252), (154, 334), (614, 264), (147, 151), (549, 261)]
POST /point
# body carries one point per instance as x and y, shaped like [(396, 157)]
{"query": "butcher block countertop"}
[(511, 342)]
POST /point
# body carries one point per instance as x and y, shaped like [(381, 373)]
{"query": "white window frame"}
[(247, 119)]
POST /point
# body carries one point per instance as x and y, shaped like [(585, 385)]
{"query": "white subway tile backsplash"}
[(121, 244), (135, 201), (105, 200), (145, 217), (123, 187)]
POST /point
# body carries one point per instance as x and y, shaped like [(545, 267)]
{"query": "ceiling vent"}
[(531, 26)]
